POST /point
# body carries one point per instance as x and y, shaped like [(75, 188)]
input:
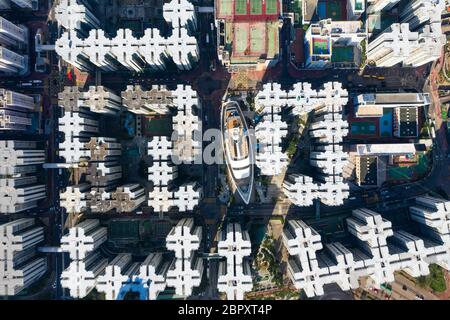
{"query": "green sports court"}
[(363, 128), (240, 7)]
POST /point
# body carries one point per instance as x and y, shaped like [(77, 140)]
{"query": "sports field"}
[(225, 8), (124, 229), (255, 6), (241, 34), (257, 40), (240, 6), (342, 54), (363, 128)]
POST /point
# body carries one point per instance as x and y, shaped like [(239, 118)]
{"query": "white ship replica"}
[(238, 148)]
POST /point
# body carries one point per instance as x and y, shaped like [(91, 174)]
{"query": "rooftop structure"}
[(125, 50), (152, 275), (406, 122), (378, 253), (373, 104), (385, 149), (80, 277), (335, 44), (367, 171), (73, 199), (20, 266)]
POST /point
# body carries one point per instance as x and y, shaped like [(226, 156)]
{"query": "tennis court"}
[(241, 33), (255, 6), (271, 6), (342, 54), (257, 38), (363, 128), (225, 8), (240, 6)]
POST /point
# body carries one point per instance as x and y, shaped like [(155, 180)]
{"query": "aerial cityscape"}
[(224, 150)]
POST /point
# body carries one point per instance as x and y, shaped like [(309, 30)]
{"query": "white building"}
[(128, 198), (378, 253), (20, 157), (398, 44), (12, 34), (82, 242), (73, 14), (116, 277), (14, 110), (185, 148), (156, 100), (327, 130), (24, 4), (234, 274), (12, 63), (269, 134), (152, 275), (184, 239), (80, 277), (419, 12), (73, 199), (20, 194), (19, 265), (84, 238), (133, 53), (185, 274), (383, 149), (186, 269)]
